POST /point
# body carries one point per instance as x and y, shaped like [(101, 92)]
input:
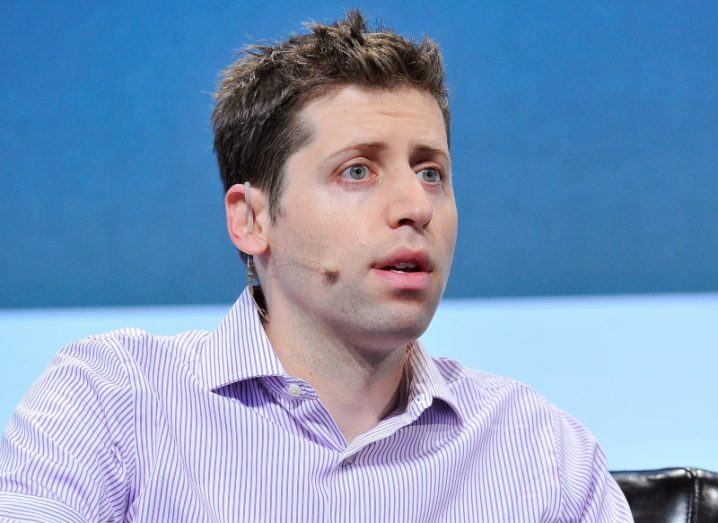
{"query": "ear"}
[(236, 209)]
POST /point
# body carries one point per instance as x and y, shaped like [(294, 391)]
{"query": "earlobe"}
[(243, 218)]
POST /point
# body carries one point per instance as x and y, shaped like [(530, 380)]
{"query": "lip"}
[(418, 280), (415, 281), (418, 257)]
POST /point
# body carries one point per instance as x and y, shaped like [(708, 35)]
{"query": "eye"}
[(355, 172), (430, 175)]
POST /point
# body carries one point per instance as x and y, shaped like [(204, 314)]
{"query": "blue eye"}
[(430, 175), (356, 172)]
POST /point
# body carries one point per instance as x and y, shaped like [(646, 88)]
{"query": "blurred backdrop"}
[(584, 144)]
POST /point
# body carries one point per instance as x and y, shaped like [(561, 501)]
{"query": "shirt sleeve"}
[(67, 453), (588, 491)]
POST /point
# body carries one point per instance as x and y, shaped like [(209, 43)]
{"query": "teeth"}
[(405, 265)]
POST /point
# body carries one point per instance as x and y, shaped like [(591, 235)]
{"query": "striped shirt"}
[(207, 426)]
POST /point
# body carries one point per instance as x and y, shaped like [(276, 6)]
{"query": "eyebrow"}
[(364, 146), (381, 146), (433, 150)]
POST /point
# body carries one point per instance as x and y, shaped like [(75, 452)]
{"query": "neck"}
[(358, 385)]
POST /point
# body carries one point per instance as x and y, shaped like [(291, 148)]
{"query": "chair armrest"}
[(670, 495)]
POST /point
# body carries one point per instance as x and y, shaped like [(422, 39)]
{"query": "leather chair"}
[(671, 495)]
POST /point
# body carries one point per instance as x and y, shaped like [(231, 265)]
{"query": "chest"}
[(236, 460)]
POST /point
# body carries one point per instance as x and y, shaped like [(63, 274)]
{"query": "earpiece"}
[(250, 214)]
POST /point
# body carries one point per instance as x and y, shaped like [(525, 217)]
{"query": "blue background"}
[(585, 146)]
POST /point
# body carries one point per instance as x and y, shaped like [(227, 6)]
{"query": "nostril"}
[(412, 222)]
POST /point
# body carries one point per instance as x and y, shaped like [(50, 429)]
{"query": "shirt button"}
[(294, 390), (349, 460)]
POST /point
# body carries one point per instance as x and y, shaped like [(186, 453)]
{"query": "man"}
[(312, 401)]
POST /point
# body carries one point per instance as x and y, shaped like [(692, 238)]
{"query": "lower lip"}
[(404, 280)]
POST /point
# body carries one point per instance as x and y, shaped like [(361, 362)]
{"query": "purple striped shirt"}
[(207, 426)]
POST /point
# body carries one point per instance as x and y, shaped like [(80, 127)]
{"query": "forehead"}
[(351, 113)]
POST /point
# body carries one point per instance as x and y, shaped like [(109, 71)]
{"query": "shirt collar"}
[(428, 382), (239, 349)]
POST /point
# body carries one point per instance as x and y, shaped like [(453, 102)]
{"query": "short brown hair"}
[(258, 99)]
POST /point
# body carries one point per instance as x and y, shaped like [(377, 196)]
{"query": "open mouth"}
[(405, 271), (405, 261), (403, 267)]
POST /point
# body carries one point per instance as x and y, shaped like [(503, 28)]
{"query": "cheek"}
[(454, 228), (448, 225), (317, 229), (348, 237), (298, 213)]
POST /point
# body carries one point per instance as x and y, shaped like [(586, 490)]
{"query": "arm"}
[(588, 491), (67, 454)]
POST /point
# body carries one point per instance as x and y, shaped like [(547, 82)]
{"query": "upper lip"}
[(420, 258)]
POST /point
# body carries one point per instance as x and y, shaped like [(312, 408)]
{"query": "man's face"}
[(372, 192)]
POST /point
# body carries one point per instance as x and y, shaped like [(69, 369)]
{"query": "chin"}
[(406, 325), (385, 328)]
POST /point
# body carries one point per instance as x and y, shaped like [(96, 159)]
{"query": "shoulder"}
[(137, 363), (111, 366), (87, 418), (456, 373), (134, 340), (501, 403), (480, 390), (138, 349), (566, 449)]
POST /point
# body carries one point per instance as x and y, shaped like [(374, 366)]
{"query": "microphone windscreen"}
[(330, 266)]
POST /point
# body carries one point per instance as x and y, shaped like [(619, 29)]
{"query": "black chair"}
[(671, 495)]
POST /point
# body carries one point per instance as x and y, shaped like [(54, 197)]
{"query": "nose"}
[(410, 204)]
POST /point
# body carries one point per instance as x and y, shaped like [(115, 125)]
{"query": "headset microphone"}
[(329, 266), (326, 266)]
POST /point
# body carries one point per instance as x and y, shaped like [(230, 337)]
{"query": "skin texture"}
[(353, 204)]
